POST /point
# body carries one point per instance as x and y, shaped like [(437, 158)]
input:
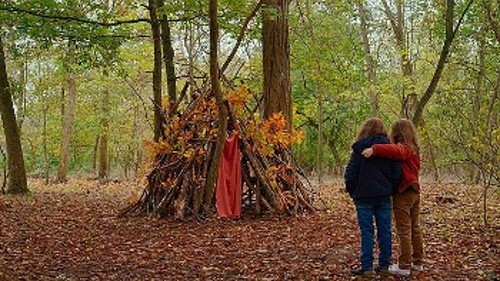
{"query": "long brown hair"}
[(403, 131), (372, 127)]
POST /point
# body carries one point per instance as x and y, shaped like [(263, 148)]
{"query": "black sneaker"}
[(361, 272)]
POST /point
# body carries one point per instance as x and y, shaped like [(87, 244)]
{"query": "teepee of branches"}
[(177, 181)]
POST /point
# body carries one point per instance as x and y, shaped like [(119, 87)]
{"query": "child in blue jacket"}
[(371, 182)]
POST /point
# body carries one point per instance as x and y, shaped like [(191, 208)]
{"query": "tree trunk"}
[(492, 116), (45, 134), (223, 113), (94, 154), (3, 188), (330, 139), (103, 139), (168, 58), (397, 24), (68, 123), (45, 149), (476, 99), (111, 158), (370, 65), (319, 152), (450, 36), (155, 28), (189, 44), (17, 182), (137, 139), (431, 155), (476, 102), (276, 60), (21, 102)]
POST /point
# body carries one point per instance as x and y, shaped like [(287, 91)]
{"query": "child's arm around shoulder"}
[(393, 151)]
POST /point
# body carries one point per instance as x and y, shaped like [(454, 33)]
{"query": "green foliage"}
[(327, 69), (326, 64)]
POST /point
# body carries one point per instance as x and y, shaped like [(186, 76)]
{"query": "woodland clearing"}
[(72, 232)]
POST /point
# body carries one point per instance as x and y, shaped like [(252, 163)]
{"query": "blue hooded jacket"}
[(374, 177)]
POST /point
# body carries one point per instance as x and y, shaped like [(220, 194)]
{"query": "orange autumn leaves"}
[(187, 135), (267, 136), (238, 99), (271, 134)]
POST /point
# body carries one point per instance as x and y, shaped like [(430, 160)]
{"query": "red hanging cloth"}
[(228, 194)]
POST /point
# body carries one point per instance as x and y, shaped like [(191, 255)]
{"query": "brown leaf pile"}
[(71, 232)]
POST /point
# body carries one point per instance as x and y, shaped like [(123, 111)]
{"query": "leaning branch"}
[(462, 16), (450, 36), (69, 18), (240, 37), (42, 14)]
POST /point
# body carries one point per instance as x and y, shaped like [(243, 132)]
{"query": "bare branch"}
[(42, 14), (240, 37), (69, 18)]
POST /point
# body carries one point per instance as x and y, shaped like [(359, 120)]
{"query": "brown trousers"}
[(406, 208)]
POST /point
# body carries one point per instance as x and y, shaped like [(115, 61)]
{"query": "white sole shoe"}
[(394, 269)]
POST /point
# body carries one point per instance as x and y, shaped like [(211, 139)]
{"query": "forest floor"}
[(72, 232)]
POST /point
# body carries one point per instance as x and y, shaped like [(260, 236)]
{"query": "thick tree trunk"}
[(168, 58), (276, 60), (68, 123), (223, 113), (3, 187), (155, 28), (370, 64), (17, 182)]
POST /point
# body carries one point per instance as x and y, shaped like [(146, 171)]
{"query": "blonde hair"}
[(371, 127), (403, 131)]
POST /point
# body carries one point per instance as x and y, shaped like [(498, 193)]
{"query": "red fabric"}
[(228, 195), (410, 163)]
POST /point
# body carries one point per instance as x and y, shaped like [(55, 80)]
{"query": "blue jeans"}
[(366, 211)]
